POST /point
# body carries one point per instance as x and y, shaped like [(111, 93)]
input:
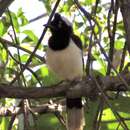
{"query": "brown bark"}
[(83, 88), (46, 108), (3, 5), (125, 10)]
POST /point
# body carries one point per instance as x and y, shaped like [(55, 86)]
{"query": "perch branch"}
[(81, 88)]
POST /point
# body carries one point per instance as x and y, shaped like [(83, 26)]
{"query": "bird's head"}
[(60, 25)]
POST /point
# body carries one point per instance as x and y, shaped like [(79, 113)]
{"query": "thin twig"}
[(60, 118), (11, 44), (90, 44), (40, 109), (123, 57), (16, 42), (38, 17), (13, 113), (98, 117), (26, 114), (112, 32)]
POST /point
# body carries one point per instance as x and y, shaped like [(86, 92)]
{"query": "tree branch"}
[(125, 10), (46, 108), (38, 17), (81, 88), (3, 5)]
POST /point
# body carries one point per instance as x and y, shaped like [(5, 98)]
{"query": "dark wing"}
[(77, 41)]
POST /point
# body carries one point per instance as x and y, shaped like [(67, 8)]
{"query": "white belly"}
[(67, 63)]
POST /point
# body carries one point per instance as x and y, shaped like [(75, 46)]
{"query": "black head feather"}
[(60, 25), (62, 32)]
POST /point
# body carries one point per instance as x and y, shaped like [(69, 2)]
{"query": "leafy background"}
[(27, 39)]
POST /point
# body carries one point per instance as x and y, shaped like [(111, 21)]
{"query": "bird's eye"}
[(60, 24)]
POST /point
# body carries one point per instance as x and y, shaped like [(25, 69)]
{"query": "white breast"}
[(67, 63)]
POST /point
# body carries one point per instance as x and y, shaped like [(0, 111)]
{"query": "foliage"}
[(40, 75)]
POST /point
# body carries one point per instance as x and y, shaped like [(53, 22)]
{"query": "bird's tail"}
[(75, 114)]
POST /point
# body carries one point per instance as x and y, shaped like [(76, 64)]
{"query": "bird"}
[(64, 57)]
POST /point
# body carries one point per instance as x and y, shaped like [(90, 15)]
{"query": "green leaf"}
[(22, 18), (35, 62), (100, 63), (31, 35), (4, 123), (120, 26), (1, 28), (96, 29), (24, 58), (6, 24), (70, 3), (15, 22), (49, 122), (99, 9), (66, 6), (48, 77), (79, 24), (119, 44), (26, 40), (105, 39), (90, 2), (90, 114), (20, 12), (4, 55)]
